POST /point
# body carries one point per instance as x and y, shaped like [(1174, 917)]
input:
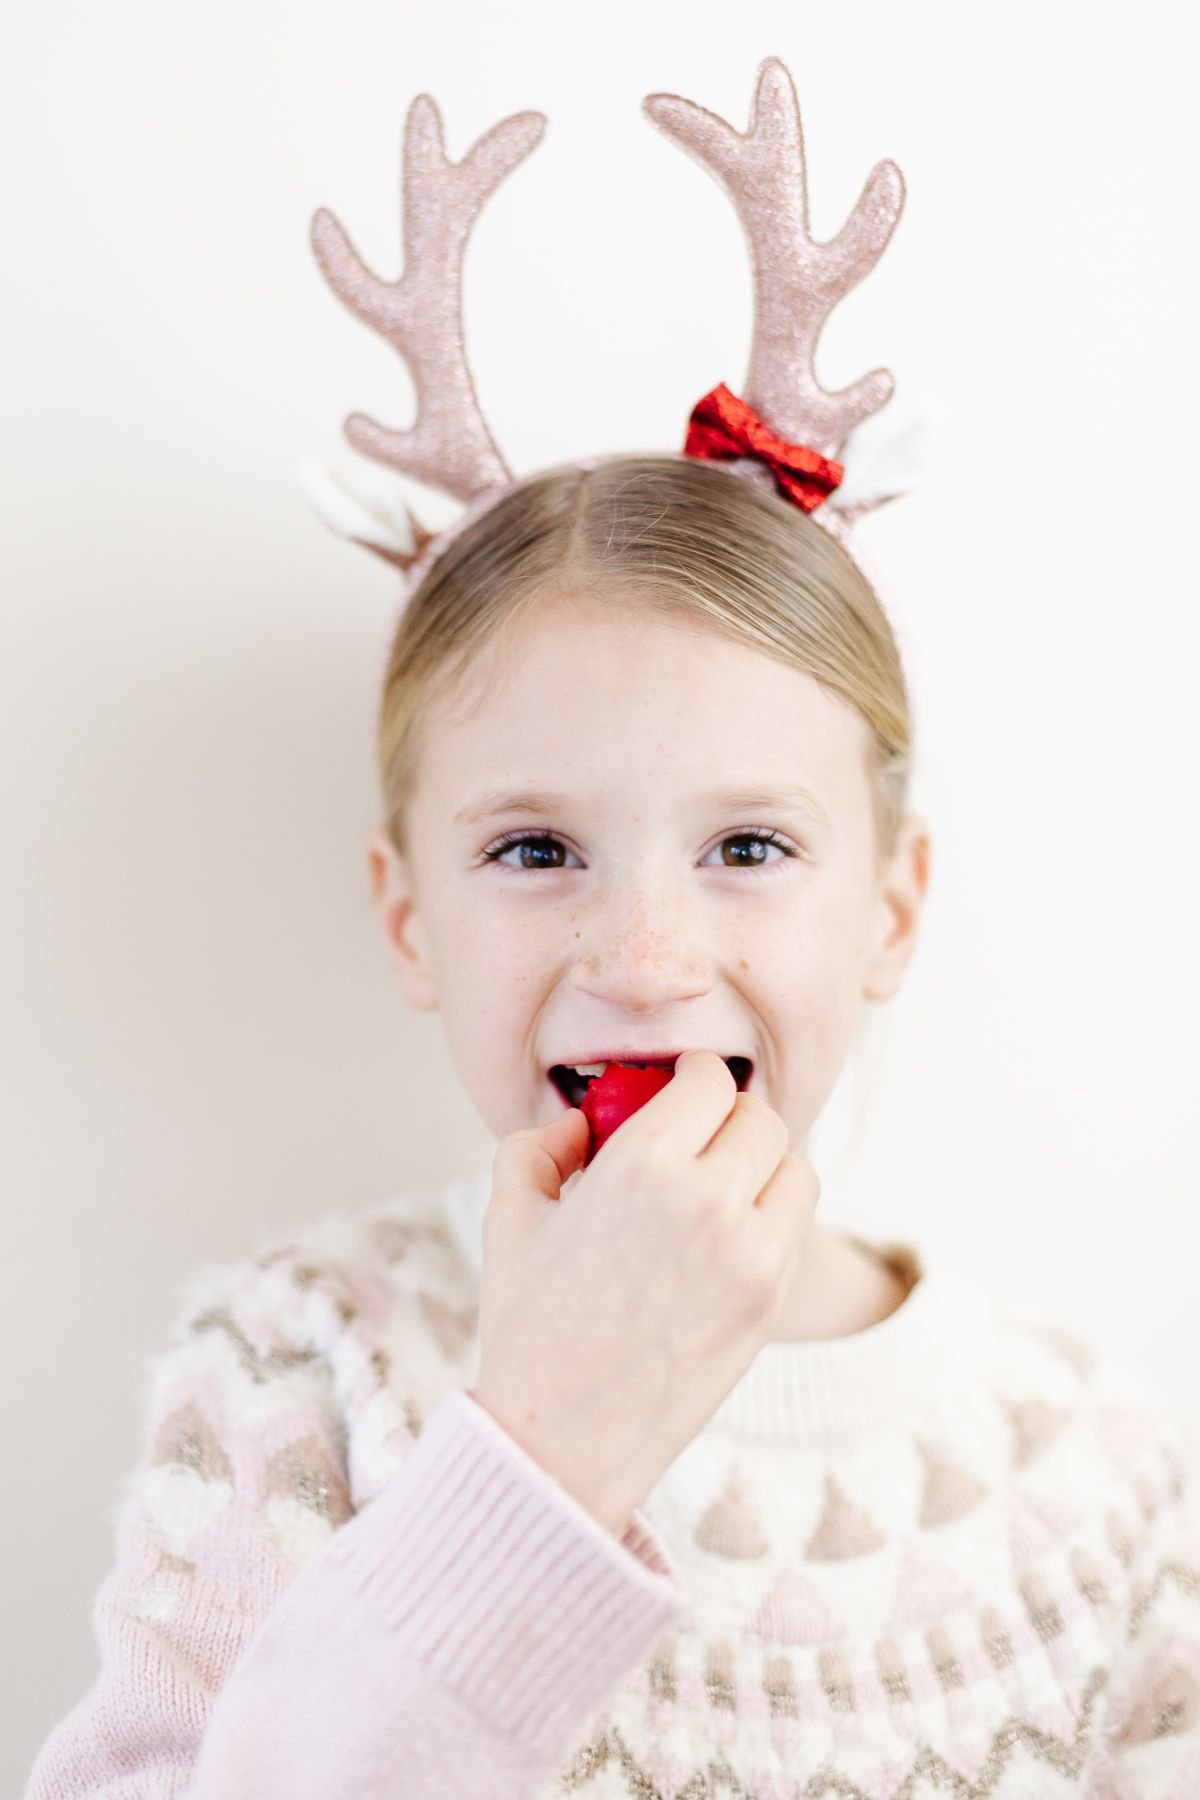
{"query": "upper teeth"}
[(596, 1068)]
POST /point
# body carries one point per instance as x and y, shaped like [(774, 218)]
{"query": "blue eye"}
[(537, 839)]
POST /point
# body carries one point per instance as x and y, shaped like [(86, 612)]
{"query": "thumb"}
[(535, 1164)]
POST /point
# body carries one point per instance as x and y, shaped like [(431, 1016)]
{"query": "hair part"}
[(689, 540)]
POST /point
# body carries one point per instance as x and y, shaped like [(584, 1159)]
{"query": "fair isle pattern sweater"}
[(956, 1553)]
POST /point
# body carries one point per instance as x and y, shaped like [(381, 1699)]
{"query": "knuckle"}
[(709, 1196), (756, 1281), (782, 1128), (657, 1150), (763, 1115), (804, 1182), (509, 1148)]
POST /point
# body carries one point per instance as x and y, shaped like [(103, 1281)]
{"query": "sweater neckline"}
[(814, 1390)]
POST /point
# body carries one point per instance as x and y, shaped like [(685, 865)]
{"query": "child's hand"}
[(615, 1321)]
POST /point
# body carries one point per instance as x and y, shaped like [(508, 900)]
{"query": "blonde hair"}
[(684, 536)]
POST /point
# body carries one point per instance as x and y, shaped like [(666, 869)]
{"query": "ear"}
[(903, 884), (395, 900)]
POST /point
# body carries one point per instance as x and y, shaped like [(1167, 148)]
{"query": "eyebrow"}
[(788, 797)]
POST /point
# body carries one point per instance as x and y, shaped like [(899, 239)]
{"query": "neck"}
[(843, 1285)]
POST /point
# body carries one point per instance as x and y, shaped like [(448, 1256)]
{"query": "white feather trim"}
[(883, 456), (365, 503), (366, 506)]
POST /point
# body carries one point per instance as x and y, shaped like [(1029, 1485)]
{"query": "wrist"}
[(609, 1504)]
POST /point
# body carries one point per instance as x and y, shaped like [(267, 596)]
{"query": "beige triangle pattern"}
[(948, 1491), (185, 1436), (450, 1326), (729, 1527), (390, 1237), (1071, 1348), (843, 1530), (1172, 1706), (305, 1471), (168, 1564), (1035, 1426)]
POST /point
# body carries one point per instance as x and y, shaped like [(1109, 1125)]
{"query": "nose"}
[(641, 956)]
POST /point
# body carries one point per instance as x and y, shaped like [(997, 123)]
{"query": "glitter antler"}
[(449, 446), (797, 281)]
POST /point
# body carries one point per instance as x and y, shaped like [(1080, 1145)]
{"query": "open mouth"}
[(573, 1086)]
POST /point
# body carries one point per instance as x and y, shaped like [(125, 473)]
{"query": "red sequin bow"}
[(722, 426)]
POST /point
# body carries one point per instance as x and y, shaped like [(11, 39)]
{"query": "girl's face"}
[(697, 869)]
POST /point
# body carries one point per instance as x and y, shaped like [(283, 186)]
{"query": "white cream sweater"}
[(956, 1553)]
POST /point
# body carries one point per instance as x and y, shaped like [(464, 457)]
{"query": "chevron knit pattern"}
[(956, 1554)]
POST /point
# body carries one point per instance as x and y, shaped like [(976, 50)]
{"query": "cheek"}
[(811, 945), (506, 946), (803, 977), (491, 973)]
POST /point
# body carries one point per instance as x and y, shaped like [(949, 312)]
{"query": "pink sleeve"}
[(452, 1637)]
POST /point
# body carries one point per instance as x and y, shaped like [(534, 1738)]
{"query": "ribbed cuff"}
[(503, 1582)]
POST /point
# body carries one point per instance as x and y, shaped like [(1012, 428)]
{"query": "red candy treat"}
[(615, 1096)]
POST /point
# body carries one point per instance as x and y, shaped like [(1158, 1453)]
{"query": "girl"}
[(618, 1471)]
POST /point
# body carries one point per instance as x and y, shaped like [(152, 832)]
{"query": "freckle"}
[(576, 934), (743, 964)]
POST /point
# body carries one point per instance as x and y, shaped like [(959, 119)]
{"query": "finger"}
[(748, 1148), (691, 1108), (784, 1210), (566, 1142), (538, 1161)]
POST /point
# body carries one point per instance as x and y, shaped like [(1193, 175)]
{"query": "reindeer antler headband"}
[(787, 431)]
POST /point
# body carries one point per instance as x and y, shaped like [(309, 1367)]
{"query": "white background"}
[(202, 1039)]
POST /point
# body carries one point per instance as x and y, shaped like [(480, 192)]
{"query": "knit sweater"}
[(956, 1552)]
